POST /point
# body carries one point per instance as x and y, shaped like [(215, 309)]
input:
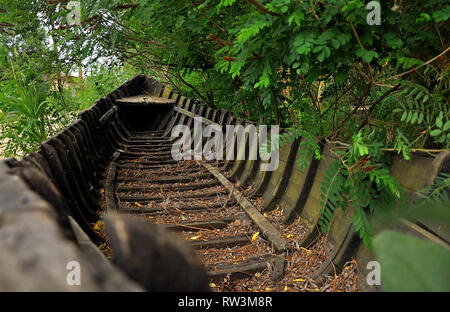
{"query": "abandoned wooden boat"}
[(116, 160)]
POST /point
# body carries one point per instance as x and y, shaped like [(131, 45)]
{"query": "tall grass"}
[(33, 106)]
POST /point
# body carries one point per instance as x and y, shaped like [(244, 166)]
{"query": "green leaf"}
[(447, 125), (442, 15), (411, 264), (367, 56), (180, 22), (408, 119), (439, 122), (436, 132), (414, 117), (304, 68), (404, 116), (392, 40), (297, 17), (335, 43), (324, 54), (327, 35), (420, 118), (224, 3), (318, 49)]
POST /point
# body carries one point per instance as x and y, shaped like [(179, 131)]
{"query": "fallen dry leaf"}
[(307, 250), (98, 226), (254, 237)]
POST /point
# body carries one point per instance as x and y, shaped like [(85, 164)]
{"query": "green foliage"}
[(360, 177), (308, 148), (411, 264), (331, 196), (35, 102), (427, 109), (25, 103), (436, 195)]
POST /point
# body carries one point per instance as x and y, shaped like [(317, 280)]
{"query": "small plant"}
[(360, 177)]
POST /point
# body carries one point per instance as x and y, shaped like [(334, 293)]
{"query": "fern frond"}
[(331, 194), (361, 223), (438, 193)]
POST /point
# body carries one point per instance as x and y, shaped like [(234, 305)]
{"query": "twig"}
[(360, 103), (419, 66), (194, 227), (209, 19), (414, 150), (228, 200), (372, 107), (362, 47), (338, 98), (192, 87), (261, 8)]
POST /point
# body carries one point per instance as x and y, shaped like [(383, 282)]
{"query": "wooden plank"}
[(196, 226), (149, 211), (184, 187), (145, 99), (279, 262), (237, 271), (192, 115), (267, 228), (222, 242), (180, 179), (108, 115), (175, 197), (110, 197)]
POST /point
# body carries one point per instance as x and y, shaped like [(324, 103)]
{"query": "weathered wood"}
[(149, 211), (145, 99), (278, 267), (195, 226), (110, 196), (147, 199), (237, 271), (192, 115), (267, 228), (186, 187), (108, 115), (35, 253), (220, 242), (181, 179)]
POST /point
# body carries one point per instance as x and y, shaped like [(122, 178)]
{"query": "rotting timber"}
[(252, 229)]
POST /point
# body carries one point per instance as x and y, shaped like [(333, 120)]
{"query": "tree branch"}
[(192, 87), (372, 106), (261, 8), (360, 103), (417, 67)]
